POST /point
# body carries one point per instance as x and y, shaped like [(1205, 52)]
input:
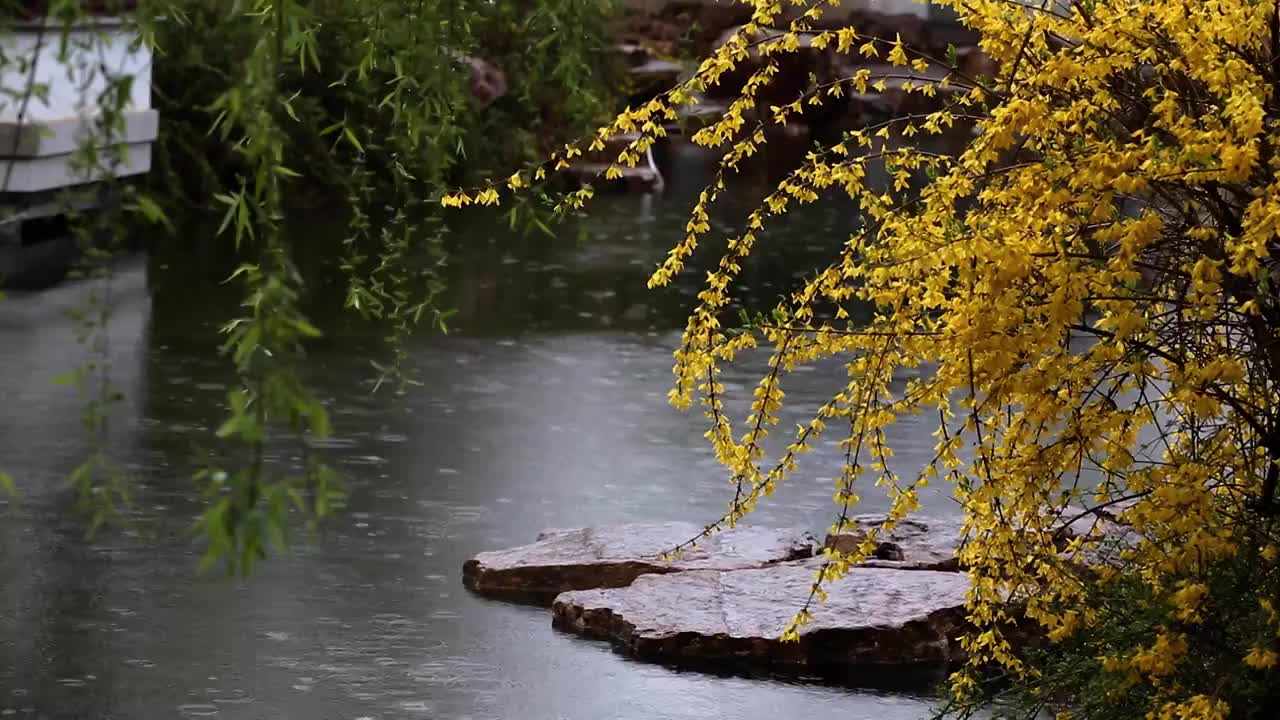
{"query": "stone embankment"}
[(652, 38)]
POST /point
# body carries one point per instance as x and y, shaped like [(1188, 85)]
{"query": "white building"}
[(52, 83)]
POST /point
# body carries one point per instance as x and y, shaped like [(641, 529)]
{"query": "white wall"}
[(43, 129), (75, 84)]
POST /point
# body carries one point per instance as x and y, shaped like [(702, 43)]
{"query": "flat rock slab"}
[(613, 557), (873, 618)]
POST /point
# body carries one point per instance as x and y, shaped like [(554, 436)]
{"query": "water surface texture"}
[(546, 408)]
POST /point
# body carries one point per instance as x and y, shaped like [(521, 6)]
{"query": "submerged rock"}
[(486, 82), (612, 557), (915, 544), (873, 617)]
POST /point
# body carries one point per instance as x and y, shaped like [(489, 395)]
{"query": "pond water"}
[(545, 408)]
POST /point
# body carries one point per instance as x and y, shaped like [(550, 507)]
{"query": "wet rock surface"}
[(930, 543), (1102, 539), (915, 544), (612, 557), (873, 618)]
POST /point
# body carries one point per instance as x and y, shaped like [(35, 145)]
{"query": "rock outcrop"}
[(915, 544), (486, 82), (873, 617), (930, 543), (613, 557)]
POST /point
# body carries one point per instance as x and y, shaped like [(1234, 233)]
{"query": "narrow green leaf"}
[(306, 328), (227, 218), (151, 211), (537, 222), (351, 138)]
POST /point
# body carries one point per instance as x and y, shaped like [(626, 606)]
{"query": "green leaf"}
[(66, 379), (228, 427), (537, 222), (7, 485), (306, 328), (277, 518), (296, 497), (151, 211), (351, 138), (248, 553), (244, 228), (288, 108), (230, 214)]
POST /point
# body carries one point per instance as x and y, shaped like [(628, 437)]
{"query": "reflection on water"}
[(546, 408)]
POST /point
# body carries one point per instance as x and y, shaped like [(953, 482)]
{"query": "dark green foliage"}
[(379, 85), (1232, 620)]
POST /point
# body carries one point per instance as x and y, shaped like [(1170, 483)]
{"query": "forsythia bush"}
[(1089, 283)]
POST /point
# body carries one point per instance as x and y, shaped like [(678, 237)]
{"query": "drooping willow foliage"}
[(1090, 285), (266, 107)]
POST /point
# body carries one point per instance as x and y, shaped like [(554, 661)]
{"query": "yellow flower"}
[(1187, 599), (1261, 659), (1199, 707)]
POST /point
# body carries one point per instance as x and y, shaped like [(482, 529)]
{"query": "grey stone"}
[(873, 617), (915, 544), (930, 543), (1103, 538), (613, 557), (486, 81)]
